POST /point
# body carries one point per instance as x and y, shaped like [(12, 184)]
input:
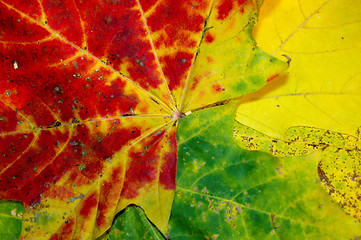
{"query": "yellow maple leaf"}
[(321, 90), (322, 87)]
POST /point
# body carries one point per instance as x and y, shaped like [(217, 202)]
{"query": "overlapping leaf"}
[(132, 224), (322, 87), (90, 96), (321, 90), (225, 192), (339, 158)]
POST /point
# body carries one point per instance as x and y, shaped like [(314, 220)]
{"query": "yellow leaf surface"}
[(338, 158), (322, 87)]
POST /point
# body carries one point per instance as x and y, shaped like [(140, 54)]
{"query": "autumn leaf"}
[(225, 192), (91, 94), (338, 163), (321, 90), (322, 87)]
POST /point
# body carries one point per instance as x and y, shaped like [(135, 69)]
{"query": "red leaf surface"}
[(90, 94)]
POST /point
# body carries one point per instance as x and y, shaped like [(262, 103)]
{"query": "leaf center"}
[(180, 115)]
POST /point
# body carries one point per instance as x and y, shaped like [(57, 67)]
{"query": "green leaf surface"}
[(11, 214), (132, 224), (339, 161), (225, 192)]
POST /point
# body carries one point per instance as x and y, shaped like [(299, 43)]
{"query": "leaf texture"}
[(225, 192), (339, 158), (321, 90), (322, 87), (11, 214), (90, 96), (133, 224)]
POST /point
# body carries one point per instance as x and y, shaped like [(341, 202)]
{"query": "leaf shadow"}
[(270, 6), (275, 84)]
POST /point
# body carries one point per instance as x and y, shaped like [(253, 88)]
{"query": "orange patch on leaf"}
[(217, 88), (209, 38), (272, 77), (210, 60), (197, 79)]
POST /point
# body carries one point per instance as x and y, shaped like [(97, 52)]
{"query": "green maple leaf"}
[(225, 192)]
